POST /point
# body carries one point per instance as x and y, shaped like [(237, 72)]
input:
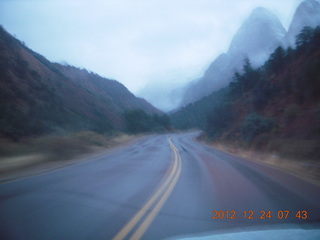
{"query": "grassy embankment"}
[(296, 157), (36, 151)]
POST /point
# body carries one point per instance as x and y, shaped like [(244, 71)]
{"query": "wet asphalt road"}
[(158, 187)]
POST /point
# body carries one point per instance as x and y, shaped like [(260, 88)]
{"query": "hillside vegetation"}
[(52, 112), (38, 97), (275, 108)]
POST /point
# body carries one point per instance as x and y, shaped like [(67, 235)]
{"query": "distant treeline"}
[(139, 121)]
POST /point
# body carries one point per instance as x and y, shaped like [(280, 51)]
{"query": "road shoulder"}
[(308, 172), (30, 165)]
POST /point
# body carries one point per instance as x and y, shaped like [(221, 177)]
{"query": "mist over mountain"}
[(165, 95), (307, 14), (274, 108), (40, 97), (257, 37)]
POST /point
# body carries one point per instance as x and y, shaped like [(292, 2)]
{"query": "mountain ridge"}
[(274, 108), (257, 37), (306, 14), (39, 97)]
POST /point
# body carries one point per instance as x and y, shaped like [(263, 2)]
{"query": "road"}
[(158, 187)]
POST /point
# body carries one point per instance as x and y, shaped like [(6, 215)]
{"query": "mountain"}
[(274, 108), (39, 97), (307, 14), (257, 37)]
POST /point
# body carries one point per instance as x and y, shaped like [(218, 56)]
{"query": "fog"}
[(152, 47)]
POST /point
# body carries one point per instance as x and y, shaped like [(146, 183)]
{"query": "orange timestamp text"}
[(282, 214)]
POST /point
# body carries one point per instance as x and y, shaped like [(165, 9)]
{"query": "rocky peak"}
[(256, 39), (260, 33), (307, 14)]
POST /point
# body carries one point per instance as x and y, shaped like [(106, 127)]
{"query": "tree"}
[(162, 121), (316, 37), (249, 77), (235, 87), (276, 60), (254, 124), (304, 37), (247, 68), (220, 119), (138, 121)]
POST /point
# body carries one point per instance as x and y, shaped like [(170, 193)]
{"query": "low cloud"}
[(135, 42)]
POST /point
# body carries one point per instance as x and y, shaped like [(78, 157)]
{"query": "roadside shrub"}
[(219, 120), (260, 142), (10, 148), (60, 148), (7, 148), (91, 138), (296, 149), (318, 118), (291, 112), (55, 148), (254, 125)]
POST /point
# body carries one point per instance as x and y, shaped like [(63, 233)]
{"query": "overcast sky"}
[(137, 42)]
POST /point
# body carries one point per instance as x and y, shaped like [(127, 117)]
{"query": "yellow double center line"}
[(154, 204)]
